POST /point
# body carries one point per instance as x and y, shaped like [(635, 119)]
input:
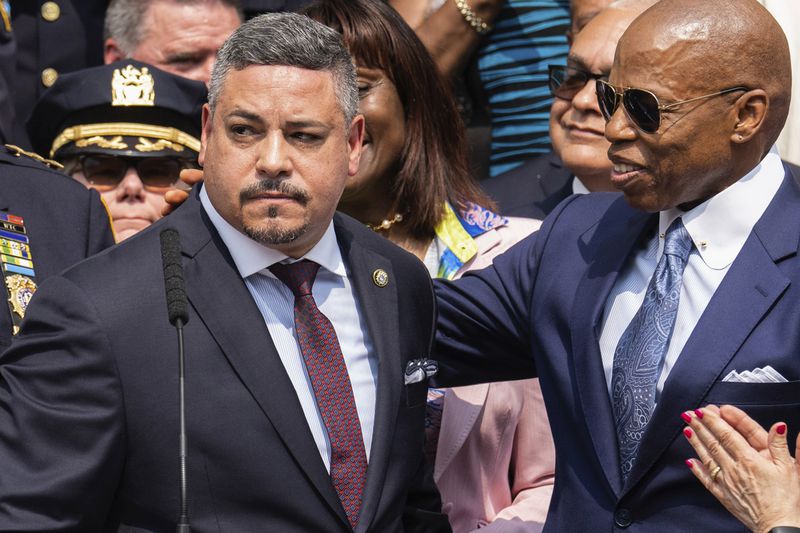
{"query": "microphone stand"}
[(183, 520)]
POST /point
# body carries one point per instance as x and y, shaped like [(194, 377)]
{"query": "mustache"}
[(280, 186)]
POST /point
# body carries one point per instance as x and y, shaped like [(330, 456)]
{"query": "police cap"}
[(127, 108)]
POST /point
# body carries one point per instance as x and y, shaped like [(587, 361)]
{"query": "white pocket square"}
[(759, 375), (420, 369)]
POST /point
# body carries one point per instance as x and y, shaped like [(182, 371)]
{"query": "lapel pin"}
[(380, 278)]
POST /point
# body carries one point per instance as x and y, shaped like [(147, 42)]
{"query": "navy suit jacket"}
[(531, 190), (89, 398), (65, 221), (537, 311)]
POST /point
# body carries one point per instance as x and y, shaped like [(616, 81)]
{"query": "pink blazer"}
[(495, 458)]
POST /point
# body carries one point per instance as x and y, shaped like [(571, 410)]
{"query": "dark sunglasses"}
[(158, 174), (566, 82), (642, 106)]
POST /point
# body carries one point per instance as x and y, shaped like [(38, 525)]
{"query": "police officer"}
[(126, 129), (53, 37), (47, 223)]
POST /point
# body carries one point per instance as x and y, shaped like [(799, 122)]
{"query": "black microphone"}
[(177, 308), (178, 312)]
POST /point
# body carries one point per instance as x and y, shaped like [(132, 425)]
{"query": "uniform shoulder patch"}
[(18, 152)]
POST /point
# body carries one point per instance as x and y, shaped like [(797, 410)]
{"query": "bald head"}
[(704, 46)]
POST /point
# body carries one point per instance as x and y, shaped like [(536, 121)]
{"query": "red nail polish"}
[(781, 429), (689, 463), (687, 432), (699, 413), (686, 417)]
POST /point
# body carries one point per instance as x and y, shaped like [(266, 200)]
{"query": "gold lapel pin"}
[(380, 277)]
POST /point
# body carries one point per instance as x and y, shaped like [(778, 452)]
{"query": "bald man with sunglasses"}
[(634, 309)]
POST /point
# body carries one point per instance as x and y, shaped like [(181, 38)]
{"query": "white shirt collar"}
[(251, 256), (578, 187), (720, 225)]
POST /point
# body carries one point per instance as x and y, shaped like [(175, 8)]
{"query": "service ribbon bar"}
[(17, 266)]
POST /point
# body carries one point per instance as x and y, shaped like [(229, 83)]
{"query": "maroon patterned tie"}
[(331, 383)]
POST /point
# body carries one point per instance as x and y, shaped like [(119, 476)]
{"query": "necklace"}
[(386, 223)]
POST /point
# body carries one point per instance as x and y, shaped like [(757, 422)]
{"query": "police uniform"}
[(48, 222), (53, 37)]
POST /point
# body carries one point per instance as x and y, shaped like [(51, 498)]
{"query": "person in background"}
[(490, 444), (507, 45), (579, 162), (750, 470), (581, 12), (178, 36), (125, 129)]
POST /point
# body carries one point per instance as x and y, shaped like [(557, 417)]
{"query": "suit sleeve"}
[(532, 469), (62, 439), (100, 234), (484, 319)]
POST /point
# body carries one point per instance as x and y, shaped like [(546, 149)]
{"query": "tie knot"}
[(299, 276), (677, 241)]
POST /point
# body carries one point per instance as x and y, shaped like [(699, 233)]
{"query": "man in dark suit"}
[(47, 223), (634, 311), (298, 415)]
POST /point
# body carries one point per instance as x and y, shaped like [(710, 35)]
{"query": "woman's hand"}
[(175, 197), (750, 471)]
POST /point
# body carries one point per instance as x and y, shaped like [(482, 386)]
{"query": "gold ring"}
[(715, 473)]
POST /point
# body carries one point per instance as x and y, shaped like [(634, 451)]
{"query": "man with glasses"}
[(579, 162), (125, 129), (635, 311)]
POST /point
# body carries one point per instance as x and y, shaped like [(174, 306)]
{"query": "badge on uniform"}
[(17, 266)]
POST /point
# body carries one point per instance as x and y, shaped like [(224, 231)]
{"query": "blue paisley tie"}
[(639, 356)]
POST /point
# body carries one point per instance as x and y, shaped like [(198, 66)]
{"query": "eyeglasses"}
[(158, 174), (566, 82), (640, 105)]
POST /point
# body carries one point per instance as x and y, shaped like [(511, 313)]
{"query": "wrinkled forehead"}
[(662, 56)]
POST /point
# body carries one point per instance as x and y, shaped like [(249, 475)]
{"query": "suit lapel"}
[(750, 288), (223, 303), (379, 306), (610, 252), (462, 406)]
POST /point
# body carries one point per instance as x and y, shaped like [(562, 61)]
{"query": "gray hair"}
[(124, 21), (293, 40)]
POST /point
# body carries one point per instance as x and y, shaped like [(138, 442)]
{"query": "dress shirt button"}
[(49, 76), (50, 11), (622, 517)]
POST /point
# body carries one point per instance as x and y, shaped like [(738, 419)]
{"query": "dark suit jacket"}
[(91, 385), (531, 190), (65, 221), (538, 310)]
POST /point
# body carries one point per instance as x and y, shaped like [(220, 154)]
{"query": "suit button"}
[(50, 11), (622, 517), (49, 76)]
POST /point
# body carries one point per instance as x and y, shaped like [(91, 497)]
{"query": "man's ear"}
[(354, 141), (206, 131), (751, 110), (111, 51)]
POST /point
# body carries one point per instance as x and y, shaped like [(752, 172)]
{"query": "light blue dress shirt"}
[(719, 228), (334, 296)]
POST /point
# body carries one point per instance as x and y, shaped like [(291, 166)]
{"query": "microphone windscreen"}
[(177, 306)]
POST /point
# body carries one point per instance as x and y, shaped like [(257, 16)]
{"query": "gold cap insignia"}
[(131, 86), (20, 290), (380, 277)]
